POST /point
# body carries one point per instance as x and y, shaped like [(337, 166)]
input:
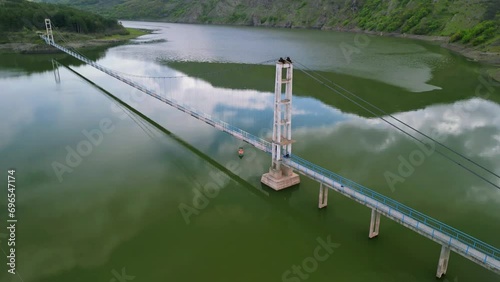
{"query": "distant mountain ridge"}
[(470, 21)]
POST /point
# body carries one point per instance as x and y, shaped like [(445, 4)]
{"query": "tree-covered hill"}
[(19, 15), (468, 21), (21, 21)]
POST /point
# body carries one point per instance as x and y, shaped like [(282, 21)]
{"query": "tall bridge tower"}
[(49, 35), (281, 176)]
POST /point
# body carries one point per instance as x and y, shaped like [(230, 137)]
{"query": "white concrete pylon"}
[(374, 224), (444, 258), (281, 176), (282, 122), (50, 35), (323, 196)]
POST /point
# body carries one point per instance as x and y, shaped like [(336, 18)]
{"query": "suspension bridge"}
[(284, 164)]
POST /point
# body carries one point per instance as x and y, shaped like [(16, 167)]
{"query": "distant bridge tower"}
[(49, 35), (281, 176)]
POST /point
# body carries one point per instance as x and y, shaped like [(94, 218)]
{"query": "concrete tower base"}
[(279, 179)]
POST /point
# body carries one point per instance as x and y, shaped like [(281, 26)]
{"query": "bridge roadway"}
[(447, 236)]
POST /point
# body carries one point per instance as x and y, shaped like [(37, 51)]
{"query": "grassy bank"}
[(28, 41), (489, 53), (22, 21), (132, 33)]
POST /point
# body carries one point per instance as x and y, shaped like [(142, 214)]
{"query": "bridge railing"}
[(185, 108), (403, 209), (247, 136)]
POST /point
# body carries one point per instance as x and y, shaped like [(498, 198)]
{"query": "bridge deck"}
[(461, 243), (458, 241)]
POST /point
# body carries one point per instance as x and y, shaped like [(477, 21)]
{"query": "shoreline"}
[(491, 59), (42, 48), (469, 52)]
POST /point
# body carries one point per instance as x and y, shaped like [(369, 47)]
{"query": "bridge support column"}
[(374, 224), (323, 196), (443, 261), (281, 176)]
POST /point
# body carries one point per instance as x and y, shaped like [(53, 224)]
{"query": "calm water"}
[(114, 214)]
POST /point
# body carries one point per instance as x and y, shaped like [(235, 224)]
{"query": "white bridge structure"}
[(284, 165)]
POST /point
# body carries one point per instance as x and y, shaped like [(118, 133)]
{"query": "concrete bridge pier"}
[(444, 258), (323, 196), (280, 177), (374, 224)]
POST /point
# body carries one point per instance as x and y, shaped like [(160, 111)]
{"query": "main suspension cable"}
[(398, 128)]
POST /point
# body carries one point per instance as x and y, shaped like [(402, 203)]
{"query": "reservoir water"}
[(104, 194)]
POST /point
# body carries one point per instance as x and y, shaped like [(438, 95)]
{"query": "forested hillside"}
[(472, 21), (19, 15)]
